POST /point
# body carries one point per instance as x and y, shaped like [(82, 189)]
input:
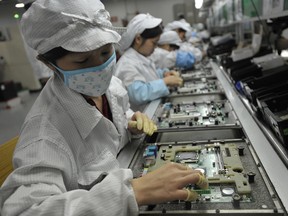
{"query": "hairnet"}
[(77, 26), (176, 25), (137, 26), (169, 37)]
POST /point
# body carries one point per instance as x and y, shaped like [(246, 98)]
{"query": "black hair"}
[(54, 54), (181, 16), (152, 33), (181, 30), (174, 46)]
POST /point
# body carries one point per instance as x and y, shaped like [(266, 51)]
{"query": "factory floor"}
[(12, 119)]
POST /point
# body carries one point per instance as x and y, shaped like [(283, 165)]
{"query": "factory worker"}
[(199, 35), (65, 161), (182, 28), (168, 55), (138, 72)]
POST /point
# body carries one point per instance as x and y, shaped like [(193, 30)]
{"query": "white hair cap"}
[(176, 25), (200, 26), (137, 26), (77, 26), (284, 33), (169, 37)]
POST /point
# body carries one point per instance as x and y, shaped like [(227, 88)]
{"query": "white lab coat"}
[(188, 47), (163, 58), (134, 66), (65, 145), (139, 75), (39, 68)]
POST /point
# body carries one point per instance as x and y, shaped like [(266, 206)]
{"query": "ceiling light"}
[(198, 4), (19, 5)]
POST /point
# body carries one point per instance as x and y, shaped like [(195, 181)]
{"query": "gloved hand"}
[(140, 123), (202, 183), (173, 81), (171, 73)]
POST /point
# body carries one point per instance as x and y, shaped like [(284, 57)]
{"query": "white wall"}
[(17, 66), (127, 8)]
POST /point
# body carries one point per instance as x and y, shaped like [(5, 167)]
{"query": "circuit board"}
[(195, 114), (198, 98), (197, 74), (236, 181), (198, 128), (202, 86)]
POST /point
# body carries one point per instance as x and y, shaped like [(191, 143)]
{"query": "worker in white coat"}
[(182, 28), (138, 72), (168, 55), (65, 161)]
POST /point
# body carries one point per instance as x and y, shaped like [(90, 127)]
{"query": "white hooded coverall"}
[(67, 146)]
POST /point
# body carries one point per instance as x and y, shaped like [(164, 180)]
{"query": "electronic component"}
[(235, 180), (198, 74), (199, 87), (275, 113), (195, 114)]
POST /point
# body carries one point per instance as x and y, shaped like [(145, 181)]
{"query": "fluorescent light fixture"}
[(19, 5), (198, 4), (284, 54)]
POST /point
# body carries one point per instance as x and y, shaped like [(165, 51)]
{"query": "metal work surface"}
[(214, 149), (127, 153), (195, 114), (275, 168), (197, 134), (235, 179), (203, 86)]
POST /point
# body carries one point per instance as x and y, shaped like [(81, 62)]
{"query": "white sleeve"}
[(128, 72), (190, 48), (43, 189), (163, 58)]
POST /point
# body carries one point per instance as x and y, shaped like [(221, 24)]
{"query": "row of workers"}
[(65, 162), (148, 55)]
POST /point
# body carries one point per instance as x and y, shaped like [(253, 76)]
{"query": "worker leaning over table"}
[(137, 71), (182, 28), (168, 55), (65, 161)]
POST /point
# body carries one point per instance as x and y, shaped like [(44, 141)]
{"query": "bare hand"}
[(140, 123), (167, 184)]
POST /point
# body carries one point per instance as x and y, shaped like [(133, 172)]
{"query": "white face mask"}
[(93, 81)]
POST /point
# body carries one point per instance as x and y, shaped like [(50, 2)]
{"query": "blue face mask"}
[(93, 81)]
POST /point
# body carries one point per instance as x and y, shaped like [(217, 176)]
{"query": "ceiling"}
[(8, 2)]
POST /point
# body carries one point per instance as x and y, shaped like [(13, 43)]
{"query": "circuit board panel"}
[(198, 74), (236, 181), (202, 86), (198, 128), (195, 114)]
